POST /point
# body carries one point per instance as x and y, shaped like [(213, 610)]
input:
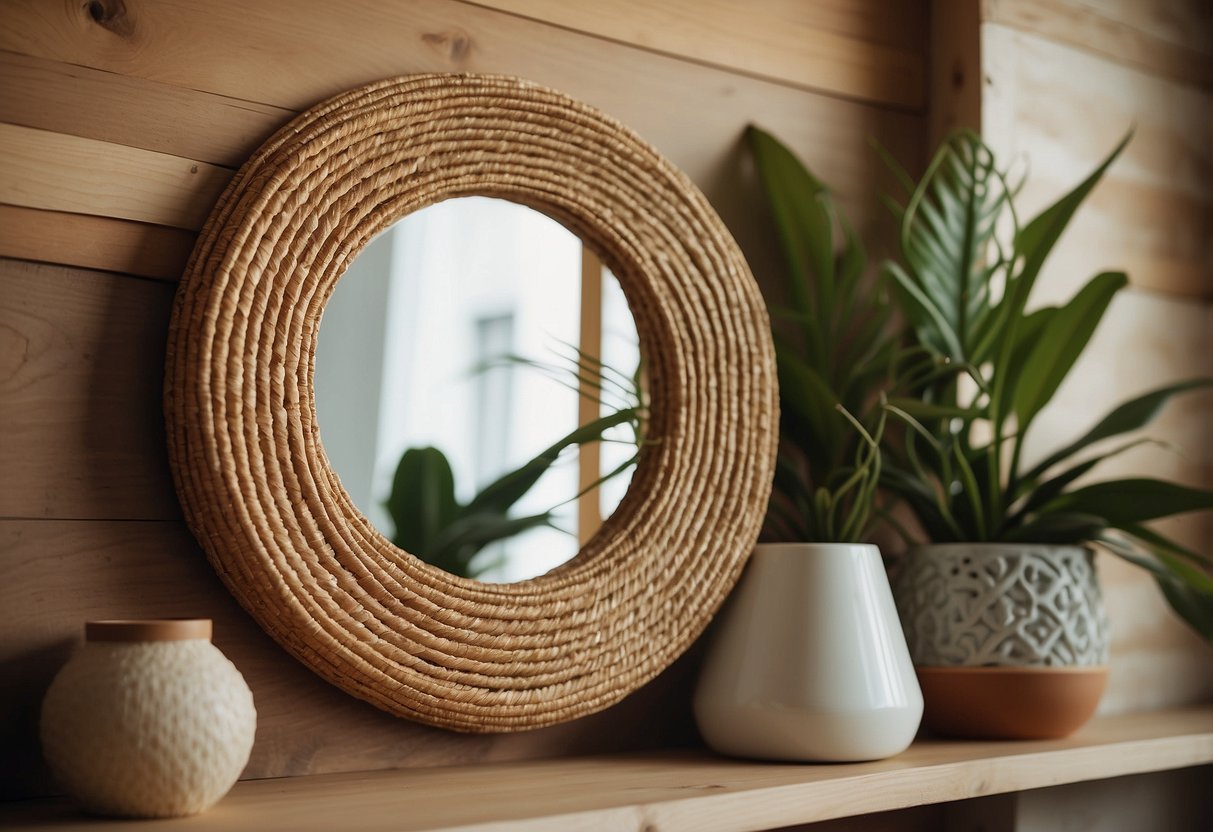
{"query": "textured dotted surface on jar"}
[(153, 729)]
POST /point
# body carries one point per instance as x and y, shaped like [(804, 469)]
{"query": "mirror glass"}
[(478, 388)]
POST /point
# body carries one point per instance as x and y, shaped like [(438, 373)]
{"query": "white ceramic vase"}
[(148, 719), (807, 661)]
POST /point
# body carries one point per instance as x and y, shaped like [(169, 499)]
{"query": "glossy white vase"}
[(808, 662)]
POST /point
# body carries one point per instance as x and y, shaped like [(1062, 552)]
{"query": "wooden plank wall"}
[(120, 122), (1063, 80)]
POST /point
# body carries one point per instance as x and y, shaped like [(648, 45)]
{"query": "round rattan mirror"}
[(261, 498)]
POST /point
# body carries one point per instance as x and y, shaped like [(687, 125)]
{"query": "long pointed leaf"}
[(1035, 241), (1058, 345), (501, 494), (472, 532), (1130, 501), (1040, 493), (802, 218), (1068, 527), (1193, 606), (1132, 415), (1164, 546)]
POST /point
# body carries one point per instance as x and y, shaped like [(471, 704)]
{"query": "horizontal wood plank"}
[(872, 51), (698, 131), (1059, 110), (56, 574), (329, 48), (81, 373), (132, 248), (1172, 40), (58, 172), (691, 790), (79, 101), (692, 113)]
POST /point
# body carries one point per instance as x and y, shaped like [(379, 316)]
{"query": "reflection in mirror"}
[(468, 363)]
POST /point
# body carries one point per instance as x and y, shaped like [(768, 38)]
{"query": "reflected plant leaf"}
[(434, 526)]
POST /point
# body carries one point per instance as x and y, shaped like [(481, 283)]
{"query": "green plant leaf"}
[(1132, 415), (946, 230), (980, 522), (1058, 345), (467, 535), (1164, 547), (1034, 242), (928, 509), (1192, 605), (422, 500), (928, 319), (1028, 335), (500, 495), (1038, 237), (848, 271), (803, 220), (926, 411), (1130, 501), (1040, 493), (1066, 527), (1188, 589), (807, 415)]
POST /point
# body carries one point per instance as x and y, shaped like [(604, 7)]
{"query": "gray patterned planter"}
[(1002, 605), (1010, 641)]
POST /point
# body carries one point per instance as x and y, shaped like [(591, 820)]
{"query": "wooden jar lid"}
[(148, 629)]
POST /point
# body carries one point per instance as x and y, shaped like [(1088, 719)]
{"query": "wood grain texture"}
[(690, 790), (867, 50), (1178, 22), (81, 369), (58, 172), (1169, 39), (57, 574), (92, 104), (693, 114), (132, 248), (955, 69), (350, 44), (1062, 110)]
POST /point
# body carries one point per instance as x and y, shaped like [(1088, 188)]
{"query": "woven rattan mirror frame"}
[(272, 516)]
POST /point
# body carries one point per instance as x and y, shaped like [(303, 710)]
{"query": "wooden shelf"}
[(676, 790)]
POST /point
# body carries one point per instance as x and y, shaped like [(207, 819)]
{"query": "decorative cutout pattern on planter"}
[(1002, 605)]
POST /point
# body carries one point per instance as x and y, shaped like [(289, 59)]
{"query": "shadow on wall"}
[(21, 773)]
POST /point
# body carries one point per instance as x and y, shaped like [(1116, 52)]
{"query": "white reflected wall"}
[(422, 306)]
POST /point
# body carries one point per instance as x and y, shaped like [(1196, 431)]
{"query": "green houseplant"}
[(966, 271), (839, 684), (836, 350)]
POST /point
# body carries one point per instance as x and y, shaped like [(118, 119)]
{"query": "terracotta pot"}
[(148, 719), (1014, 703), (807, 660), (1010, 640)]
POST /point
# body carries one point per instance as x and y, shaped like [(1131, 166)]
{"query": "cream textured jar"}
[(148, 719)]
